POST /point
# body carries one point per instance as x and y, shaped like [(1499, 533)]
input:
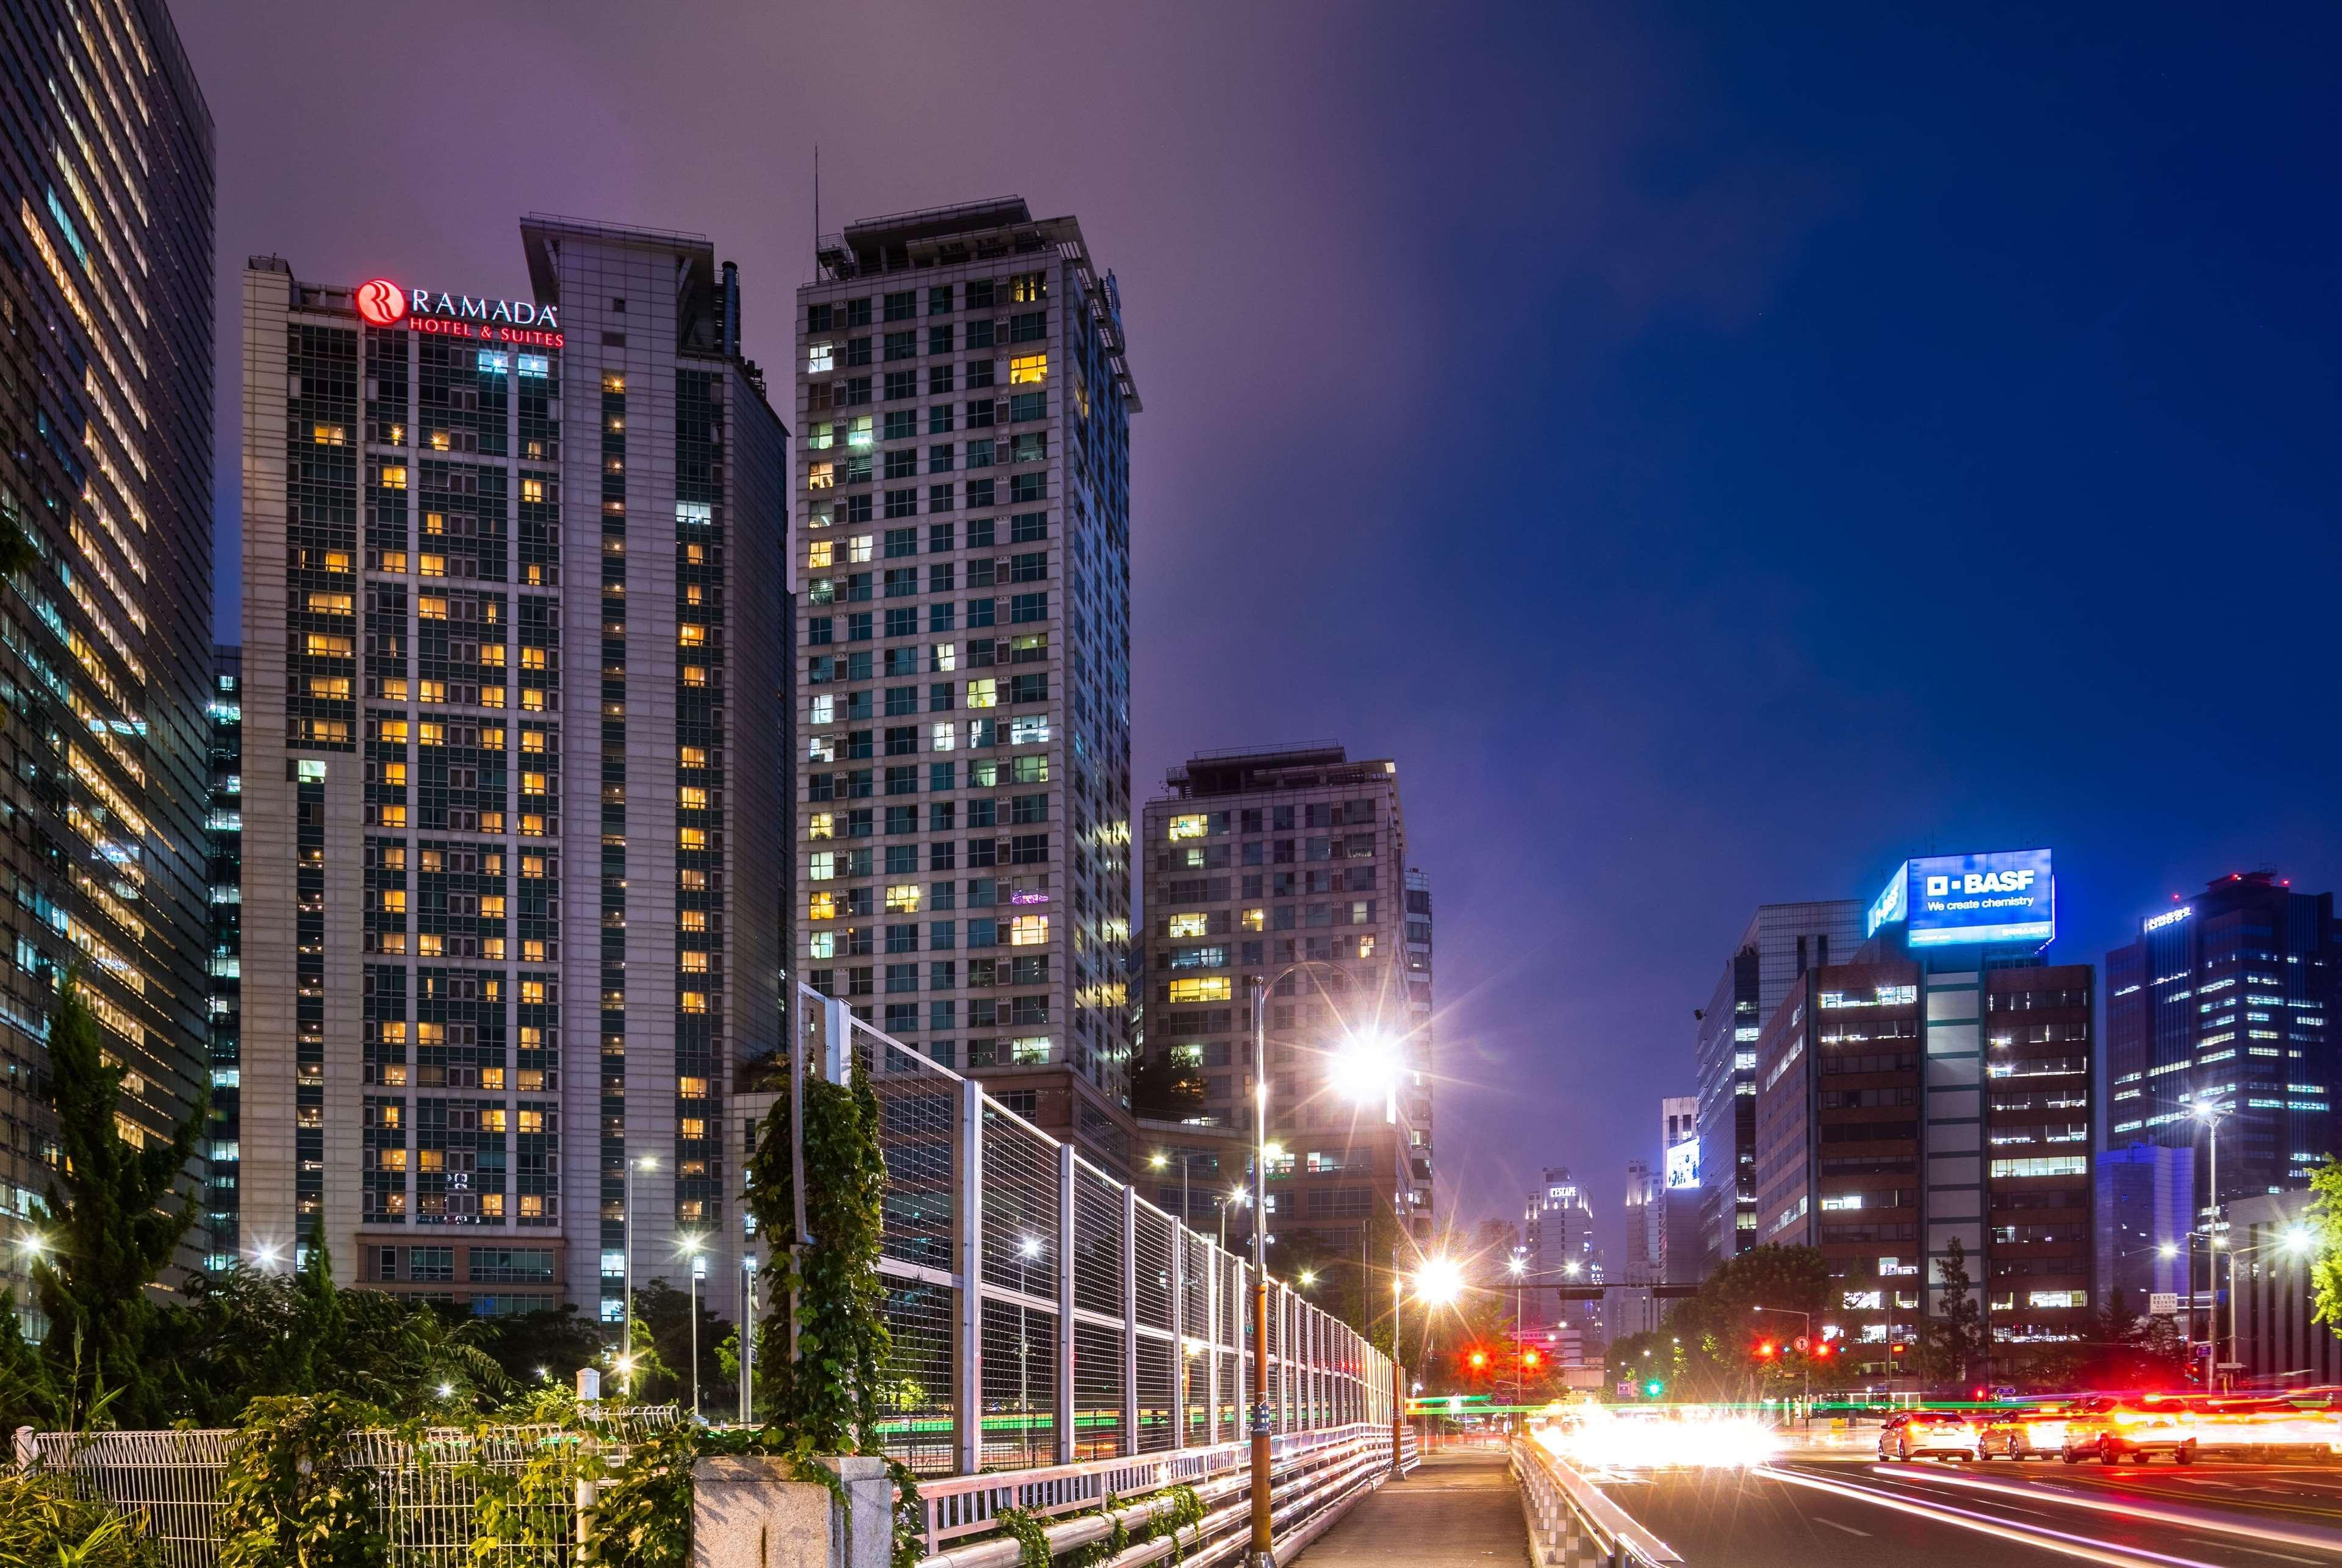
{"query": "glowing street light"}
[(691, 1247), (1438, 1282)]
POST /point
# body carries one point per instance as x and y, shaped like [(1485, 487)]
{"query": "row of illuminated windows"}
[(822, 354), (903, 740), (904, 702), (859, 432), (944, 457), (942, 936)]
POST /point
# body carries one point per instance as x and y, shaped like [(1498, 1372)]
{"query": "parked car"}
[(2036, 1430), (1911, 1434), (2111, 1428)]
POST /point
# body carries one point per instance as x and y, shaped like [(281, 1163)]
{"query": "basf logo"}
[(2008, 896), (1949, 901)]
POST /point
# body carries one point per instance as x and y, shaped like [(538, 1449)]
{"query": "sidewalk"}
[(1459, 1506)]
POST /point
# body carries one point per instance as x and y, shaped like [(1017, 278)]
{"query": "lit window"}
[(1033, 730), (394, 477), (612, 382), (943, 658), (857, 434), (1211, 988), (329, 434), (820, 476), (532, 489), (821, 825), (903, 899), (942, 738), (1029, 930), (857, 548), (817, 554), (981, 693), (692, 798), (691, 838), (1188, 925), (820, 357), (1192, 826), (821, 907), (1028, 369), (1255, 919)]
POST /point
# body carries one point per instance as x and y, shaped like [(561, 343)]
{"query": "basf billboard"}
[(1955, 901), (1683, 1165)]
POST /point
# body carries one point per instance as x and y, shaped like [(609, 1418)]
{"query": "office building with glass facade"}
[(105, 646)]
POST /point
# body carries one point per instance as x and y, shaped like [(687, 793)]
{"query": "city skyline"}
[(1710, 352)]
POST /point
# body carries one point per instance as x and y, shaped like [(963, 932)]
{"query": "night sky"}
[(1717, 451)]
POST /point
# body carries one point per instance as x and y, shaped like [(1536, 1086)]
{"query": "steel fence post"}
[(1179, 1390), (1061, 1416), (967, 1257), (1129, 1320)]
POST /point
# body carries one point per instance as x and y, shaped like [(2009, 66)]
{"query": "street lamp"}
[(2211, 1115), (691, 1247), (626, 1243), (1437, 1283)]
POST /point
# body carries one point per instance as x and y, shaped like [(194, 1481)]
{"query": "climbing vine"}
[(828, 1392), (292, 1495)]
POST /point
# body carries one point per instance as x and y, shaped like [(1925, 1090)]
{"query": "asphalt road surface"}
[(1852, 1513)]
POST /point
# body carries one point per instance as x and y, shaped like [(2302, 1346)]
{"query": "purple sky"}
[(1717, 456)]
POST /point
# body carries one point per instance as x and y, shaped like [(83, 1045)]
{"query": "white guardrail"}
[(1573, 1524)]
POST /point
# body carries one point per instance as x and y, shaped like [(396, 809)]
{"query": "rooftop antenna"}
[(817, 209)]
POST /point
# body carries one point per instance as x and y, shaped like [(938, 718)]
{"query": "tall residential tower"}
[(963, 528), (105, 646), (513, 612)]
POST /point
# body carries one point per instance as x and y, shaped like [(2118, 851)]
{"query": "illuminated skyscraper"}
[(105, 463), (964, 539), (514, 620)]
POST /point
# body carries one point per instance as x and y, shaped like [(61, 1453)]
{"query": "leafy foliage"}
[(2324, 1220), (291, 1496), (1953, 1345), (829, 1393), (663, 1317), (1707, 1345), (114, 1219), (46, 1521), (1167, 1086)]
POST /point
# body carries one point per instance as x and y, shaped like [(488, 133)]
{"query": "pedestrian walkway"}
[(1458, 1506)]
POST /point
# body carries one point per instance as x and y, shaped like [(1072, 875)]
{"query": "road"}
[(1845, 1511)]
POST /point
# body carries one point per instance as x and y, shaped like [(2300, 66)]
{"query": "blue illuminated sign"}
[(2008, 896), (1889, 907)]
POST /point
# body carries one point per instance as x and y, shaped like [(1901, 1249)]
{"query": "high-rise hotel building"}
[(963, 538), (106, 647), (1290, 865), (223, 827), (515, 611)]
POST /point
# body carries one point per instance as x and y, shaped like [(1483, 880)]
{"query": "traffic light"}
[(1479, 1360), (1654, 1389), (1530, 1359), (1767, 1350), (1823, 1351)]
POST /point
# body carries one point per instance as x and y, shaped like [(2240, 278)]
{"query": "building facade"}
[(105, 465), (1929, 1092), (2228, 1000), (964, 509), (1289, 865), (2145, 1196), (224, 829), (2267, 1275), (1781, 943), (514, 592), (1559, 1250)]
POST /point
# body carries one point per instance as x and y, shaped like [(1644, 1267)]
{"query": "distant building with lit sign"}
[(2230, 998)]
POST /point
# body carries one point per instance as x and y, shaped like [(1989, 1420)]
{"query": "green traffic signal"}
[(1653, 1389)]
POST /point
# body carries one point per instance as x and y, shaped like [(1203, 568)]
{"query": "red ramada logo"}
[(381, 302)]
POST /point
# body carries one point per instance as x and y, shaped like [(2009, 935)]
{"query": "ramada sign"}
[(381, 303)]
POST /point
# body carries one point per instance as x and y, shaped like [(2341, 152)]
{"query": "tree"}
[(546, 1346), (1721, 1329), (1166, 1086), (665, 1313), (2323, 1218), (114, 1218), (1954, 1344)]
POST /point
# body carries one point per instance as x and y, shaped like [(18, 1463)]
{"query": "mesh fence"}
[(426, 1486), (1154, 1353)]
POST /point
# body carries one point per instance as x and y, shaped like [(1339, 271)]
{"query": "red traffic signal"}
[(1479, 1360), (1765, 1349), (1530, 1358), (1823, 1350)]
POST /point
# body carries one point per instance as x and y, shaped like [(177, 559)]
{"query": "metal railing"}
[(1043, 1313), (1572, 1523), (425, 1487)]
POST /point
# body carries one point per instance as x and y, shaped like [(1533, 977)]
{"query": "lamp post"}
[(691, 1249), (2210, 1116), (626, 1243), (1806, 1355), (1436, 1283)]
